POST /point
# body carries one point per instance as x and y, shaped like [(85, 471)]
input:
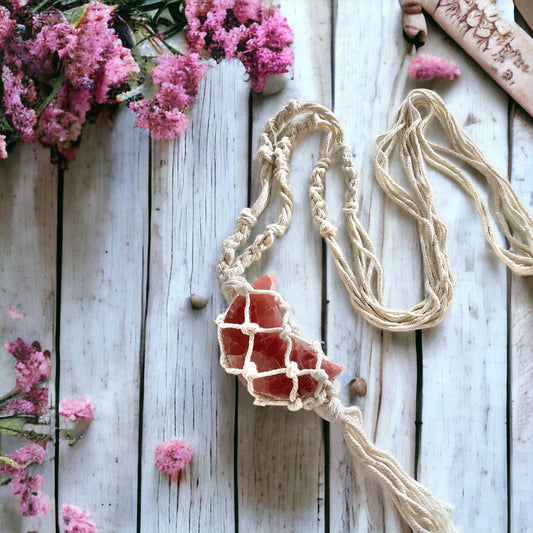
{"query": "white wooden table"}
[(102, 258)]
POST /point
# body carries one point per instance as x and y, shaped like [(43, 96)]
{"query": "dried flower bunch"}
[(25, 413), (64, 60)]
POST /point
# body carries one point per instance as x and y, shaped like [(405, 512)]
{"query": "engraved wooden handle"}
[(502, 49)]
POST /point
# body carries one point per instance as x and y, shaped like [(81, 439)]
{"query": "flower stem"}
[(56, 87)]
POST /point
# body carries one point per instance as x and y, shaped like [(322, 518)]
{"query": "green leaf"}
[(75, 15), (9, 462), (56, 87), (14, 425)]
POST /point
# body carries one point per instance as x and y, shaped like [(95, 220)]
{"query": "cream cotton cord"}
[(363, 279)]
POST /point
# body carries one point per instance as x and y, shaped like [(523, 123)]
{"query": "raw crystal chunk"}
[(268, 348)]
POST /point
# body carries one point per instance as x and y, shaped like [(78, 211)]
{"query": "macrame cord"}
[(364, 280)]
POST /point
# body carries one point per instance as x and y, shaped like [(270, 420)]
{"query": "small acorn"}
[(358, 387), (197, 301)]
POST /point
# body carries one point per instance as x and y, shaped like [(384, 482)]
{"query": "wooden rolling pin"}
[(501, 48)]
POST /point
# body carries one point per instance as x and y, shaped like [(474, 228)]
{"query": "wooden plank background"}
[(102, 258)]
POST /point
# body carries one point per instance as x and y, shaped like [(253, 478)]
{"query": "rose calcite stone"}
[(269, 349)]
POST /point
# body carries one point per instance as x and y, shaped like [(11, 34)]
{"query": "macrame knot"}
[(249, 372), (264, 153), (234, 286), (246, 218), (332, 410)]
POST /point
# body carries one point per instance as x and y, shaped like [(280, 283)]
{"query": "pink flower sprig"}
[(426, 67), (60, 68), (178, 78), (33, 365), (172, 457), (246, 30), (77, 520), (25, 488), (76, 409), (24, 405)]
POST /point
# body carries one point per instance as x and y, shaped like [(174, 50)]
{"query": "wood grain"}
[(103, 293), (143, 224), (280, 459), (28, 203), (521, 337), (370, 81), (198, 186), (463, 443)]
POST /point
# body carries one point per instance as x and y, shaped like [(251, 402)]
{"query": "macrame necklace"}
[(257, 340)]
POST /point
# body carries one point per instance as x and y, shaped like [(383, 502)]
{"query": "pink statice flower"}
[(18, 97), (35, 402), (7, 25), (258, 36), (19, 348), (426, 67), (62, 121), (76, 409), (77, 520), (33, 370), (172, 457), (30, 454), (32, 364), (267, 50), (3, 147), (97, 44), (178, 77), (27, 492)]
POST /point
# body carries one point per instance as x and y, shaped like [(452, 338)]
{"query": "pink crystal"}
[(269, 349)]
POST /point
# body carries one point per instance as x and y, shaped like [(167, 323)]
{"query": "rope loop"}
[(363, 277)]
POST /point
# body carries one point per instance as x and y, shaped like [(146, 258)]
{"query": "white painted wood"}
[(28, 203), (270, 472), (103, 288), (521, 337), (198, 186), (370, 72), (463, 455), (281, 454)]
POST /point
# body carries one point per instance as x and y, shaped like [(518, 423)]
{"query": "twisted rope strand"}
[(363, 279)]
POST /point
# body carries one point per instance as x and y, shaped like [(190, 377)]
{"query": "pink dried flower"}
[(19, 96), (12, 313), (178, 77), (259, 37), (267, 50), (27, 491), (19, 348), (164, 125), (171, 457), (34, 402), (33, 370), (3, 149), (77, 520), (426, 67), (7, 25), (32, 364), (246, 10), (27, 455), (76, 409)]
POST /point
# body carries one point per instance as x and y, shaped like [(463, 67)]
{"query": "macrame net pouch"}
[(258, 342)]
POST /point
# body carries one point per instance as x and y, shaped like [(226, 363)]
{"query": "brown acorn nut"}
[(358, 387), (197, 301)]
